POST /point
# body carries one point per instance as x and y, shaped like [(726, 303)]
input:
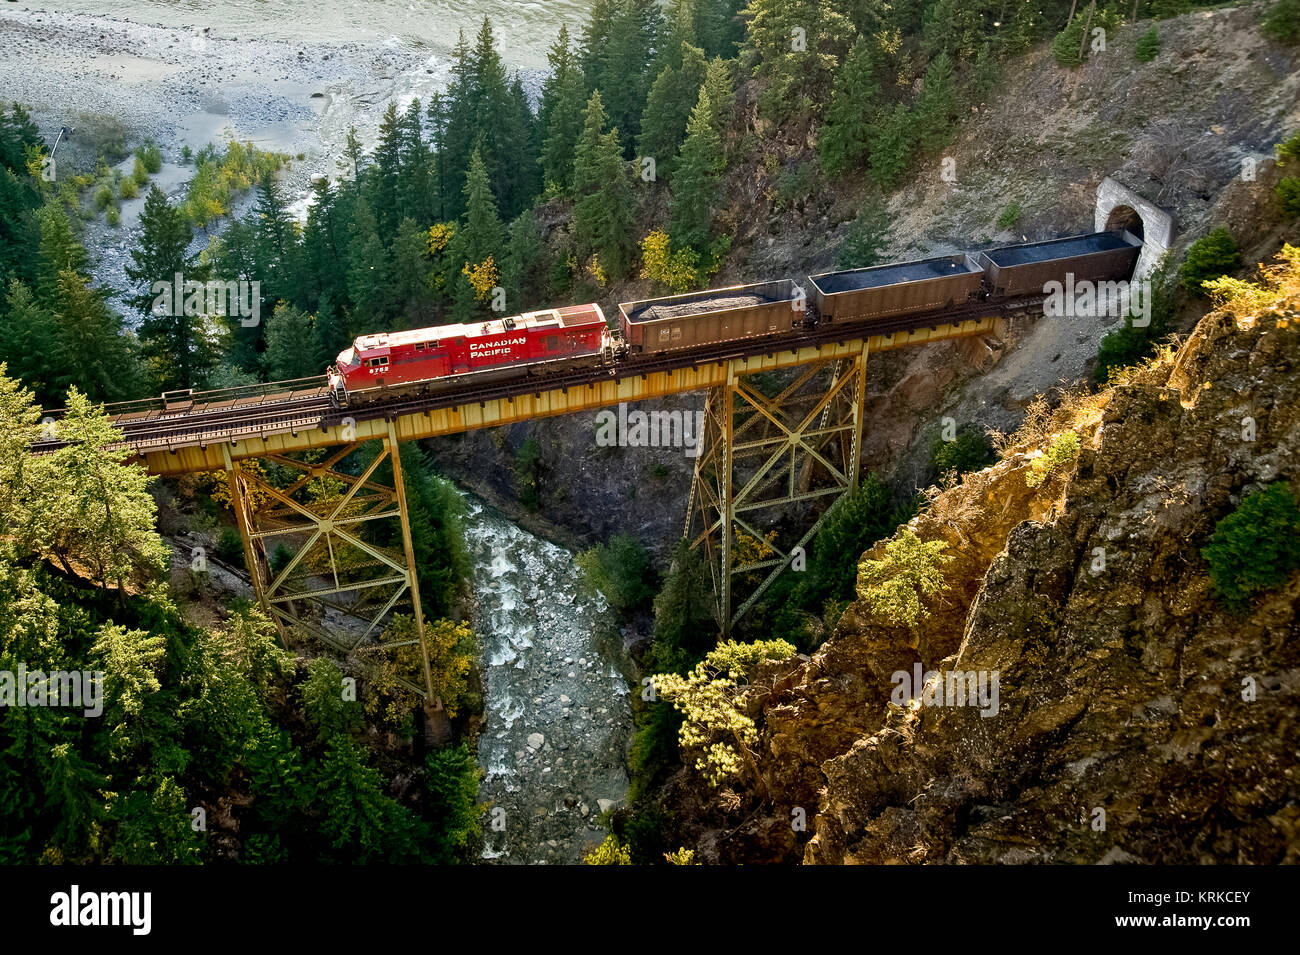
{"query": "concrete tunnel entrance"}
[(1119, 207), (1125, 217)]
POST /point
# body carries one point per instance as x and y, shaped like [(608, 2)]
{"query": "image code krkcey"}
[(649, 433)]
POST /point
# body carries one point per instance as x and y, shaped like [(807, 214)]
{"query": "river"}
[(524, 30), (558, 715)]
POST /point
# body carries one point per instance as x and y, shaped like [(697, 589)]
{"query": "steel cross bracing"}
[(338, 584), (765, 455)]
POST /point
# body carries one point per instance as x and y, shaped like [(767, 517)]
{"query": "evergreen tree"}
[(478, 239), (99, 357), (19, 233), (58, 251), (383, 177), (521, 174), (523, 268), (293, 347), (560, 113), (411, 268), (28, 344), (621, 66), (178, 345), (668, 108), (796, 46), (936, 107), (856, 104), (372, 285), (890, 146), (868, 237), (697, 183), (276, 243), (603, 215)]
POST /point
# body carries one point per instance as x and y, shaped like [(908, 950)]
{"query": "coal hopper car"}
[(677, 322), (1018, 271)]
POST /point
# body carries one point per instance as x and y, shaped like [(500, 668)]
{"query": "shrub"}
[(112, 217), (1256, 546), (1288, 197), (128, 189), (1059, 453), (619, 570), (892, 587), (1148, 46), (151, 157), (1210, 257), (186, 154), (103, 196), (609, 852), (969, 451), (1010, 216), (867, 238), (230, 546), (139, 173), (280, 558), (1131, 344), (1282, 22)]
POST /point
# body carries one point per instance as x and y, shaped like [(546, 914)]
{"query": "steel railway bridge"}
[(763, 455)]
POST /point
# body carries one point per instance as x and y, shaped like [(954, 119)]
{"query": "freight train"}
[(538, 344)]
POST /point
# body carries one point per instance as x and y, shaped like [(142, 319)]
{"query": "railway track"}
[(305, 403)]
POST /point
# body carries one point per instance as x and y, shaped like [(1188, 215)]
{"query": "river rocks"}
[(547, 764)]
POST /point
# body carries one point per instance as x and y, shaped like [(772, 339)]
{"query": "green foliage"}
[(868, 237), (324, 703), (293, 346), (138, 172), (1010, 215), (1148, 46), (1210, 257), (221, 178), (150, 157), (1288, 196), (112, 217), (128, 189), (1072, 44), (619, 570), (103, 196), (1131, 343), (714, 701), (1256, 547), (528, 466), (230, 547), (1282, 22), (684, 626), (1059, 455), (910, 569), (856, 102), (451, 782), (603, 213), (969, 451)]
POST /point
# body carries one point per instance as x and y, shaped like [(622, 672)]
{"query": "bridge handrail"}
[(203, 398)]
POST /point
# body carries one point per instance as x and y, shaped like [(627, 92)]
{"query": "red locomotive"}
[(392, 364)]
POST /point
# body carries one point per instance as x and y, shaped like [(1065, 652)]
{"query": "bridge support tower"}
[(330, 553), (770, 448)]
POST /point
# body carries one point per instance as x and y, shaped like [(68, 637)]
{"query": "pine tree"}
[(410, 251), (868, 237), (698, 181), (29, 346), (177, 344), (383, 179), (891, 145), (58, 251), (795, 47), (560, 114), (603, 215), (936, 107), (521, 174), (276, 243), (622, 67), (523, 266), (478, 239), (100, 360), (856, 104), (371, 275), (293, 346), (668, 108)]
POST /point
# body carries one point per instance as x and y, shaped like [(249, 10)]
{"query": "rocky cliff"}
[(1137, 719)]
